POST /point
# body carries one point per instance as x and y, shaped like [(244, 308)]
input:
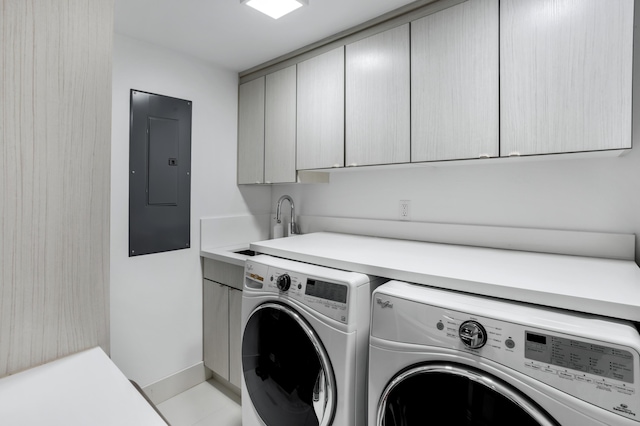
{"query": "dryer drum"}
[(286, 369), (452, 394)]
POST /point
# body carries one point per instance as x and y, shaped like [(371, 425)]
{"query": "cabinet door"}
[(565, 75), (454, 83), (321, 111), (216, 328), (377, 99), (235, 336), (280, 126), (251, 132)]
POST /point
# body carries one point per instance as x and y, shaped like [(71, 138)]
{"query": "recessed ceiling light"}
[(275, 8)]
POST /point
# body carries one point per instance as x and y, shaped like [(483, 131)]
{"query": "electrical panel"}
[(159, 173)]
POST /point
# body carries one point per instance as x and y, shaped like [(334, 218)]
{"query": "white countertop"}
[(227, 254), (81, 389), (592, 285), (221, 237)]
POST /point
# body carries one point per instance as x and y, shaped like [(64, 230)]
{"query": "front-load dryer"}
[(441, 357), (305, 332)]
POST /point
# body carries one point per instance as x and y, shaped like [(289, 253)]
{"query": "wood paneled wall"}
[(55, 149)]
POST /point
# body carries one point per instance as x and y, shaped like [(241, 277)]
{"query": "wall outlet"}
[(405, 209)]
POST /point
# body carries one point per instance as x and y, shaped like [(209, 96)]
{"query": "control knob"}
[(283, 282), (472, 334)]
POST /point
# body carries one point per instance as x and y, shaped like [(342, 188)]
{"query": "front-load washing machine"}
[(445, 358), (305, 337)]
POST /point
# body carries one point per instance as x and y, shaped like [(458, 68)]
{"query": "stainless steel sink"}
[(246, 252)]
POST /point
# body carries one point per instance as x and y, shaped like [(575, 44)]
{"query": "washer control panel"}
[(581, 357), (602, 374), (324, 296), (595, 360)]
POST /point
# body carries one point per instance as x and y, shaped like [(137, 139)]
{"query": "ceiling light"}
[(275, 8)]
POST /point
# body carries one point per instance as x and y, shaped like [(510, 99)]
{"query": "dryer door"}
[(452, 394), (286, 369)]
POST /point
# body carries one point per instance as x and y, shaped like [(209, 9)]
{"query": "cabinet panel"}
[(454, 83), (321, 111), (251, 97), (55, 181), (235, 336), (565, 75), (224, 273), (216, 328), (378, 99), (280, 126)]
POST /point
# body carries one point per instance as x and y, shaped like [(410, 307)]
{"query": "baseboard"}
[(233, 391), (177, 383)]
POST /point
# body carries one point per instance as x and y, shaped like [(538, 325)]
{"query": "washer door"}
[(454, 394), (286, 369)]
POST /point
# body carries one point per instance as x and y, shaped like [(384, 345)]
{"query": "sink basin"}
[(246, 252)]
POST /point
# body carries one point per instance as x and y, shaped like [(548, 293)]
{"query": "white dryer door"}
[(286, 369), (452, 394)]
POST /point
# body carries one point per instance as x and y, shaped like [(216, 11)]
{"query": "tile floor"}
[(207, 404)]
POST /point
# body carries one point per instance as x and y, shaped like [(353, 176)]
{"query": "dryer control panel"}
[(580, 356), (324, 295), (594, 359), (595, 371)]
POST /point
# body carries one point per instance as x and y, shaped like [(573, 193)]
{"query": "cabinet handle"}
[(335, 166), (514, 154), (267, 181), (353, 164), (258, 181), (484, 156)]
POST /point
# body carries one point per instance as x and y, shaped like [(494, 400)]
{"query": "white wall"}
[(600, 195), (156, 300), (589, 195)]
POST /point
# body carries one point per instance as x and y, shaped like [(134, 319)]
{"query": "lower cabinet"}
[(222, 334)]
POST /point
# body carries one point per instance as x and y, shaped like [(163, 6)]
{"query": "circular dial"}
[(283, 282), (472, 334)]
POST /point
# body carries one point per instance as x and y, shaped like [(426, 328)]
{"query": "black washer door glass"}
[(446, 399), (282, 370)]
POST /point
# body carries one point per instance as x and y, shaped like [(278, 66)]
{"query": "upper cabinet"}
[(480, 79), (267, 129), (565, 75), (251, 132), (454, 83), (377, 100), (280, 127), (321, 111)]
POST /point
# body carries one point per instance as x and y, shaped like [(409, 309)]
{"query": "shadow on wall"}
[(597, 195), (257, 198)]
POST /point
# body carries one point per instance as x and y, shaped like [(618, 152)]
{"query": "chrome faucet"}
[(294, 225)]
